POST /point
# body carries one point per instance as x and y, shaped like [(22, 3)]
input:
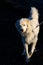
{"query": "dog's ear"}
[(17, 24)]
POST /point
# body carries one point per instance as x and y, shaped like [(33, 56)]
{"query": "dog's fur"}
[(29, 32)]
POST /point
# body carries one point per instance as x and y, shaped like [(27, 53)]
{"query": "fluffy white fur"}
[(29, 32)]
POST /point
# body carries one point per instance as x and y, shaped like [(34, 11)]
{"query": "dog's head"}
[(22, 25)]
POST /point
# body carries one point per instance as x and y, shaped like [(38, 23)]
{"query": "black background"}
[(10, 40)]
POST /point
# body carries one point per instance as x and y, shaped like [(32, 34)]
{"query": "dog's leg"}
[(24, 52), (27, 54), (34, 45)]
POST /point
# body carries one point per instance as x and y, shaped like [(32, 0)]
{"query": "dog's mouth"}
[(21, 30)]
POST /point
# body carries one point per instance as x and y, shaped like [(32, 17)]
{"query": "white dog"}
[(28, 29)]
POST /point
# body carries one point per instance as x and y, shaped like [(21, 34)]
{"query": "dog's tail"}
[(34, 13)]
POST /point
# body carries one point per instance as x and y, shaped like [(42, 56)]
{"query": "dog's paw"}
[(27, 60)]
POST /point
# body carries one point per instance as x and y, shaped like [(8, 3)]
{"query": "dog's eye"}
[(23, 24)]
